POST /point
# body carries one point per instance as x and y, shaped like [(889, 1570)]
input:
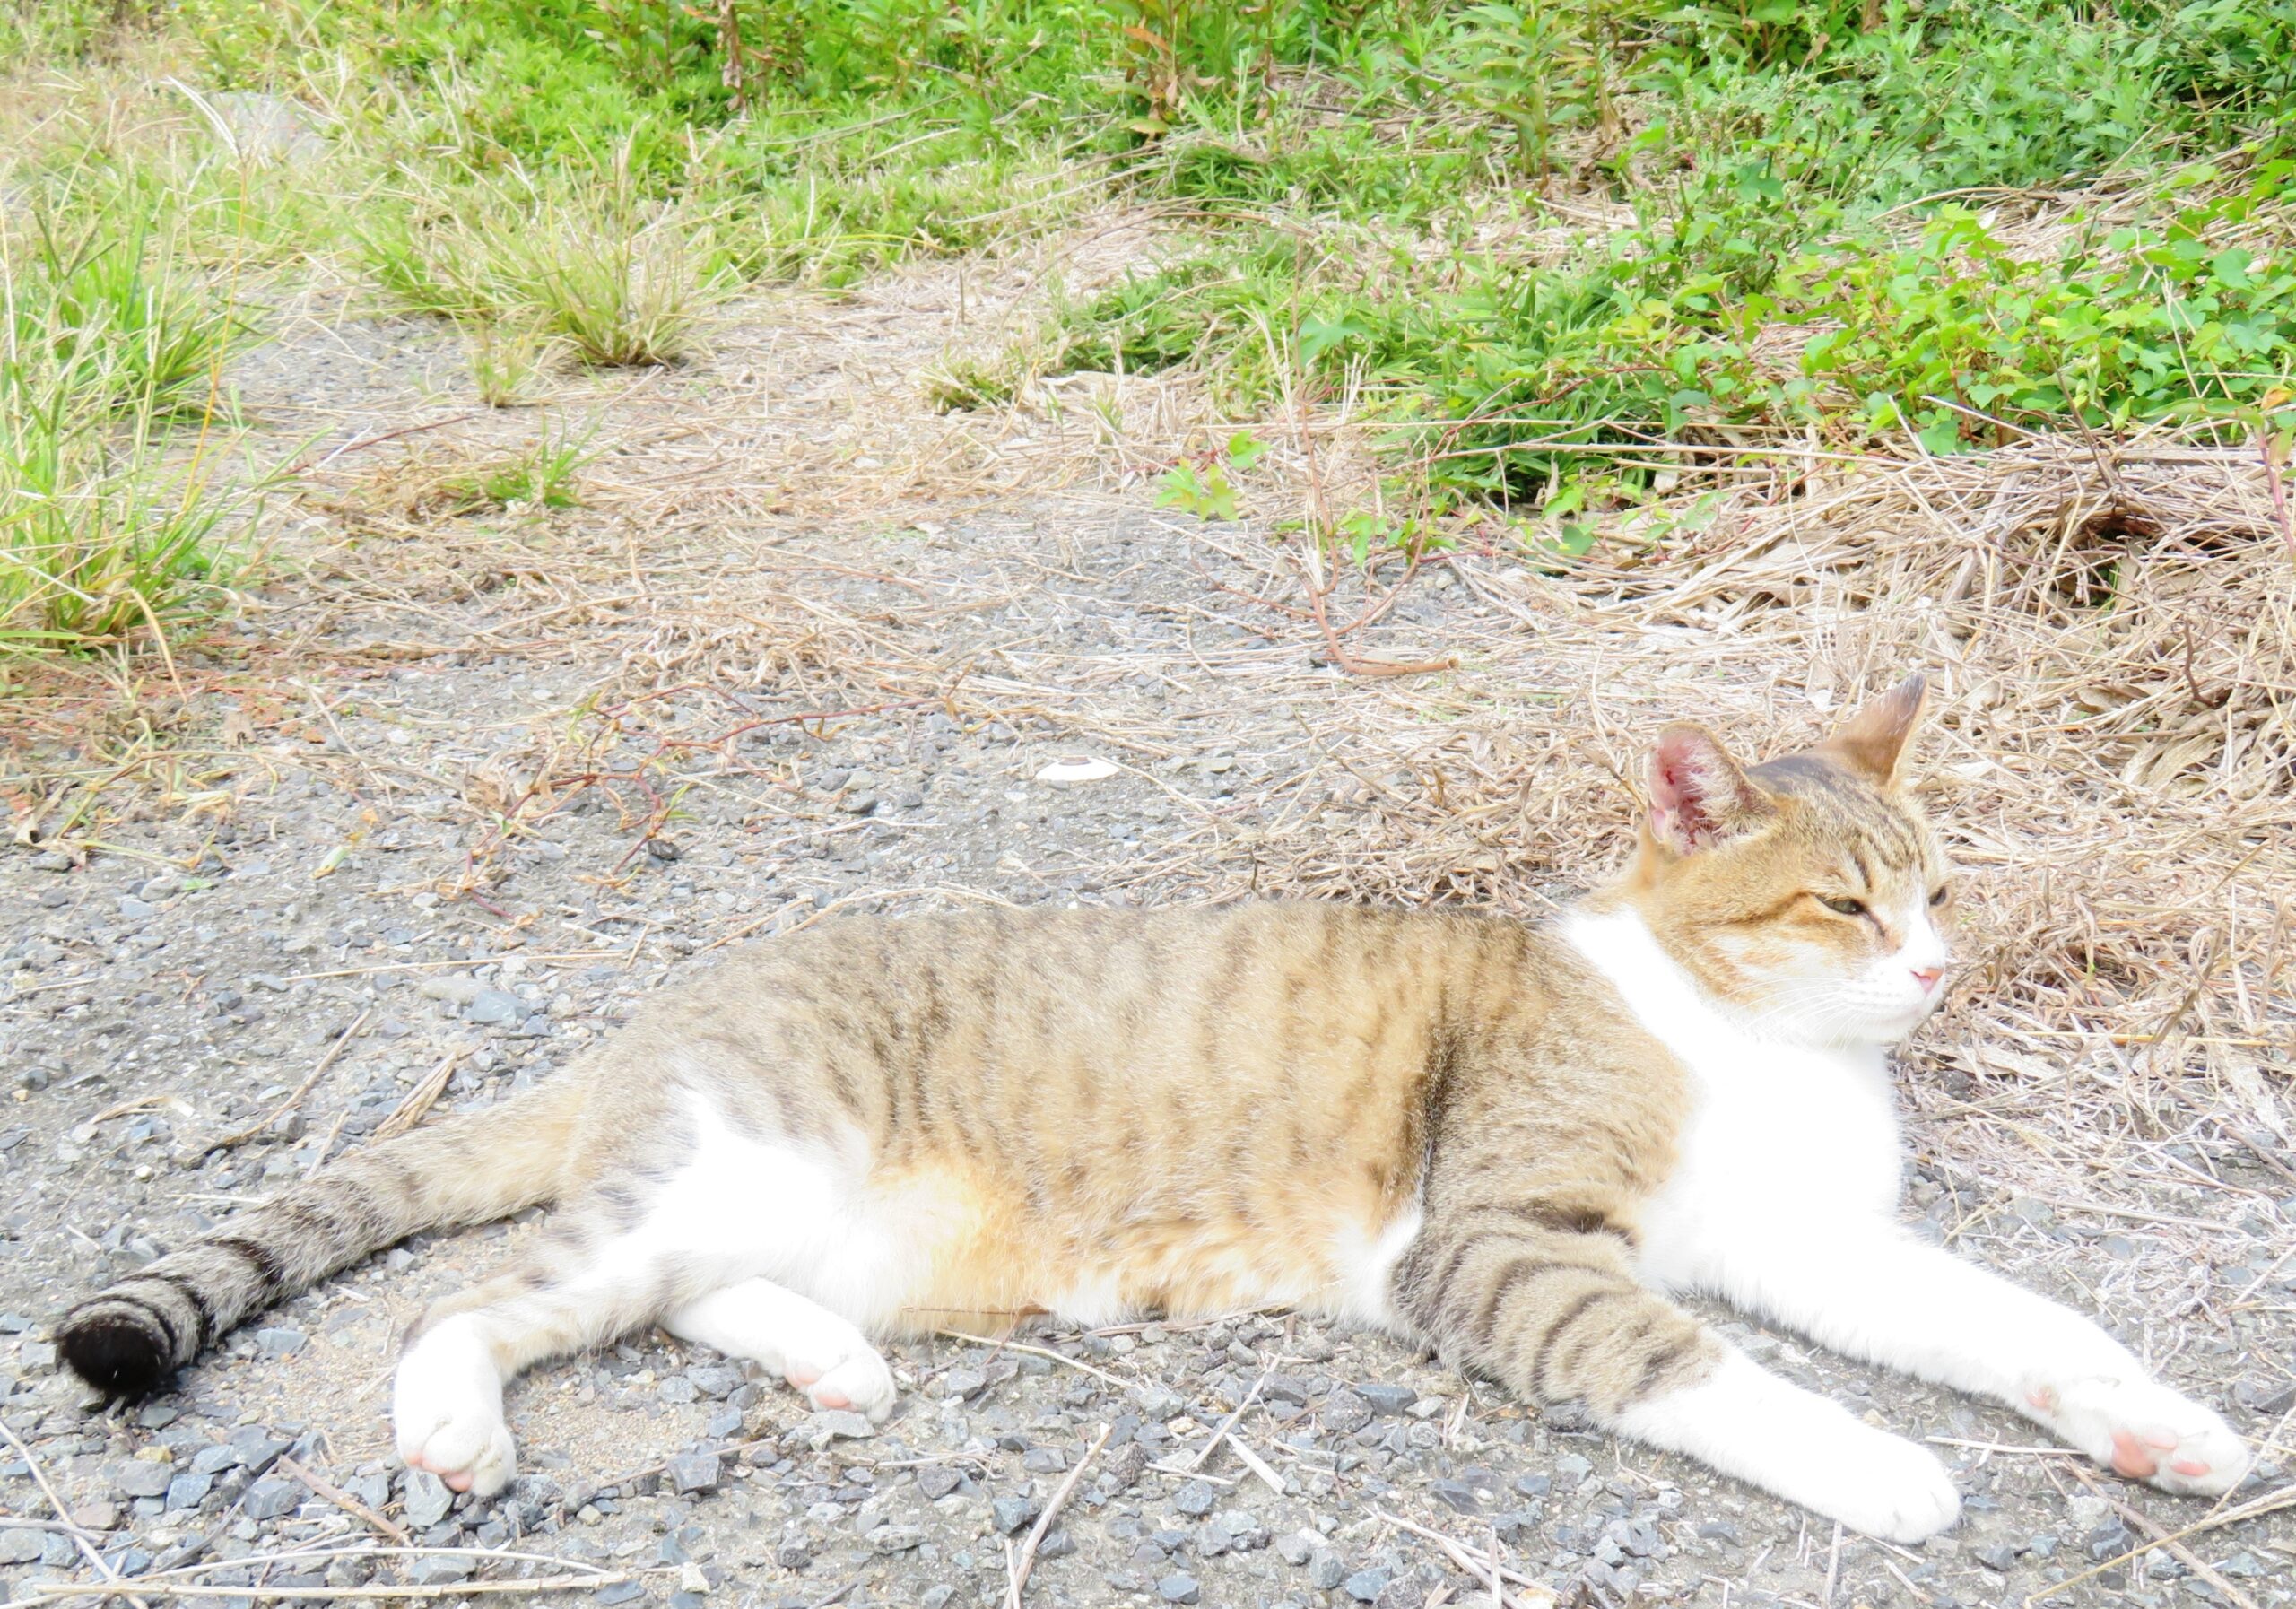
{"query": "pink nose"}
[(1928, 977)]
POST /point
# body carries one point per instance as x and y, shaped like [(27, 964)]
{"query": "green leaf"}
[(1942, 436)]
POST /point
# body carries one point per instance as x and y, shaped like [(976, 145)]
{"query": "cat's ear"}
[(1873, 742), (1698, 796)]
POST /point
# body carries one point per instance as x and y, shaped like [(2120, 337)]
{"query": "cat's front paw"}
[(2147, 1432)]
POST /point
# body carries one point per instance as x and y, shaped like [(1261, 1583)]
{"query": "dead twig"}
[(419, 1100), (241, 1136), (346, 1502), (1019, 1573)]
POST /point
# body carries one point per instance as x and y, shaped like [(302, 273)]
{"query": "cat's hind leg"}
[(820, 1352), (582, 1287)]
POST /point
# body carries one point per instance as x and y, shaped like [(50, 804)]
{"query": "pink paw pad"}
[(2132, 1459)]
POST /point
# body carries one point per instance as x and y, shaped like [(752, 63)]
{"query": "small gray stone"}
[(1009, 1514), (19, 1546), (272, 1497), (620, 1592), (141, 1477), (836, 1424), (279, 1343), (1460, 1494), (495, 1006), (1999, 1557), (1345, 1413), (435, 1568), (936, 1481), (1178, 1590), (694, 1472), (1194, 1498), (1159, 1402), (427, 1499), (133, 909), (1326, 1567), (896, 1539), (189, 1491), (1296, 1547), (937, 1597), (714, 1380), (794, 1550), (2246, 1565), (1387, 1399), (1364, 1585)]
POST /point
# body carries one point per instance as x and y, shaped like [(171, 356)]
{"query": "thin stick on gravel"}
[(2144, 1526), (111, 1586), (1229, 1423), (1833, 1566), (1256, 1464), (346, 1502), (419, 1100), (1019, 1568), (1040, 1351), (49, 1592), (1467, 1561), (241, 1136)]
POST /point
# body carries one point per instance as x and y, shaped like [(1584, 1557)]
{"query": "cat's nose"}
[(1928, 977)]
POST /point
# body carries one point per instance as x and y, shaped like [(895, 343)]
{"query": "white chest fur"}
[(1779, 1135)]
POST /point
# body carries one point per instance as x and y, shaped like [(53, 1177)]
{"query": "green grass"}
[(112, 343)]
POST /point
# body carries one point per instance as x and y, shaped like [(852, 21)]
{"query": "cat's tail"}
[(127, 1340)]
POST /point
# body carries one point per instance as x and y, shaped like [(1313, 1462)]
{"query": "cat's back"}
[(1186, 1012), (1302, 968)]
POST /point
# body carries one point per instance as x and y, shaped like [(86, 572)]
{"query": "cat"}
[(1513, 1143)]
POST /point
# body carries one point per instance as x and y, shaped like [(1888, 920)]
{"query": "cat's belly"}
[(941, 1243), (987, 1257)]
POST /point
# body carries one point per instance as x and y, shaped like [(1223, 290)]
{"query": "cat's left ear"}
[(1873, 742)]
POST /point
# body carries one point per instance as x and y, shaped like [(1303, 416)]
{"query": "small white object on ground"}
[(1066, 772)]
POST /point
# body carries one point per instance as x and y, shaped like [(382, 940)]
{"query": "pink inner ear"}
[(1676, 808)]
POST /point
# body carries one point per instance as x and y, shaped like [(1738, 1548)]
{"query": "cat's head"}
[(1808, 892)]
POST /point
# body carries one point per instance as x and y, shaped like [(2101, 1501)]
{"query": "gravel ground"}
[(265, 956)]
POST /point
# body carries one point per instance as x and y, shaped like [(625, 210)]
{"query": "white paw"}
[(2148, 1432), (1887, 1487), (822, 1353), (1748, 1422), (447, 1412), (861, 1381)]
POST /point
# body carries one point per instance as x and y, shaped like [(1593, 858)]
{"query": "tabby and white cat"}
[(1515, 1143)]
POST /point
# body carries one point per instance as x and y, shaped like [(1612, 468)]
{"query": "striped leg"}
[(1552, 1311), (582, 1287)]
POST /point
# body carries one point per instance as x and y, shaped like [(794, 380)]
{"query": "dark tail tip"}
[(118, 1348)]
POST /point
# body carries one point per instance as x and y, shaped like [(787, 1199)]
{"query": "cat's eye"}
[(1937, 896), (1848, 908)]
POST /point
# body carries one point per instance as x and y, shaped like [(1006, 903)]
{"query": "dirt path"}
[(464, 787)]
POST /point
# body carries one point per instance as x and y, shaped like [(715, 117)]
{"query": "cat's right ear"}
[(1698, 796)]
